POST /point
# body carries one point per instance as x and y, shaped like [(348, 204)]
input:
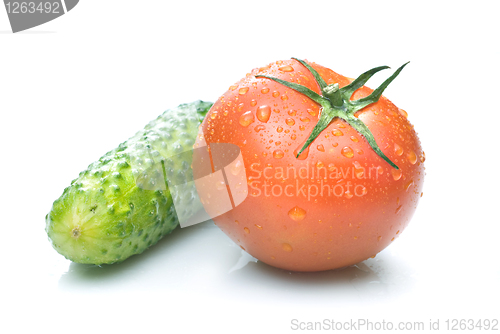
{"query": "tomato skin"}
[(282, 223)]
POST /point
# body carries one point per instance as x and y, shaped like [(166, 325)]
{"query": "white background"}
[(76, 87)]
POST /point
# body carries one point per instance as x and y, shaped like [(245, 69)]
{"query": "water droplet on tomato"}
[(258, 226), (236, 167), (247, 230), (264, 90), (286, 68), (304, 153), (396, 174), (311, 112), (293, 136), (412, 157), (347, 152), (379, 238), (320, 148), (220, 185), (214, 114), (243, 90), (398, 149), (263, 113), (364, 191), (403, 113), (259, 128), (290, 121), (422, 157), (354, 139), (337, 132), (246, 119), (287, 248), (305, 119), (358, 170), (261, 69), (240, 107), (297, 213), (399, 209), (233, 87), (276, 93), (408, 185), (253, 103), (279, 129), (278, 154), (292, 112)]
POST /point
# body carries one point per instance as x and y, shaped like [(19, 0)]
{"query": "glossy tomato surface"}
[(335, 205)]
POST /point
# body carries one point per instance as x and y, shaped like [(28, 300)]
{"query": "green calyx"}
[(336, 102)]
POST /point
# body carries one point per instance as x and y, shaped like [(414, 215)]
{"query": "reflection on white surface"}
[(202, 260), (244, 260), (197, 275)]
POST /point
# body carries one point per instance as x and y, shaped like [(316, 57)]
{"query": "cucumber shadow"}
[(94, 276)]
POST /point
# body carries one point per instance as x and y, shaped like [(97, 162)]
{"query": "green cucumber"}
[(106, 215)]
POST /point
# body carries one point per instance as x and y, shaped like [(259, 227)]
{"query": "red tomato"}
[(339, 202)]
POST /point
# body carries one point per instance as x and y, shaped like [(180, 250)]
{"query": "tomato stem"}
[(336, 102), (332, 92)]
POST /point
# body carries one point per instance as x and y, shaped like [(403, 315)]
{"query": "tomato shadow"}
[(374, 279)]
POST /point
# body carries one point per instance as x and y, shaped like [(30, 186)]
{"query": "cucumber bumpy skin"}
[(106, 216)]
